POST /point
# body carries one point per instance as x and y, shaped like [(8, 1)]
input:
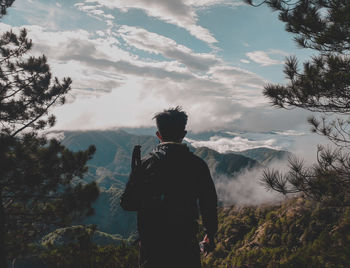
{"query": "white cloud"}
[(278, 52), (122, 107), (93, 11), (209, 3), (246, 188), (157, 44), (244, 61), (109, 16), (113, 87), (262, 58), (181, 13), (236, 144), (290, 132), (58, 135), (100, 33)]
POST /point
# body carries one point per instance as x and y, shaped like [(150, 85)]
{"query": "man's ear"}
[(159, 136)]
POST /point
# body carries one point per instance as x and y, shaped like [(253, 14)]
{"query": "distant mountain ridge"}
[(228, 164), (110, 168), (265, 155), (113, 147)]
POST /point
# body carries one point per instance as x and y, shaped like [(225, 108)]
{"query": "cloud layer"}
[(123, 74), (246, 188), (236, 144), (212, 92), (181, 13)]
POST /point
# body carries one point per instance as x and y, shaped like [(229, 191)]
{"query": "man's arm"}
[(129, 199), (208, 202)]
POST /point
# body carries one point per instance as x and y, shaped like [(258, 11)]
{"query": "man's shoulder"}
[(190, 156), (199, 161)]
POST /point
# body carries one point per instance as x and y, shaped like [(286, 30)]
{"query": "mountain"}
[(110, 165), (110, 217), (110, 168), (265, 155), (228, 164), (114, 147)]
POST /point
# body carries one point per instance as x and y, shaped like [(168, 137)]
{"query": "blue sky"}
[(131, 58)]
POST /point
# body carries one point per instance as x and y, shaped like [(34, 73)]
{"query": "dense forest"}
[(50, 189)]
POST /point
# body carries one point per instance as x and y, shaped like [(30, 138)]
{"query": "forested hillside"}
[(298, 233)]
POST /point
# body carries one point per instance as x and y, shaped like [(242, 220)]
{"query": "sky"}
[(129, 59)]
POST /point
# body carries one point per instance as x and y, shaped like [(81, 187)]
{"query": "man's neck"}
[(171, 142)]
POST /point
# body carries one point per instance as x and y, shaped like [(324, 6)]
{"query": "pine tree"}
[(4, 4), (40, 180), (321, 85)]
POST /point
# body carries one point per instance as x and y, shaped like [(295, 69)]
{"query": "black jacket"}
[(167, 190)]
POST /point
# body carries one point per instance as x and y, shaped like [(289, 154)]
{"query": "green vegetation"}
[(67, 235), (41, 183), (79, 256), (321, 85), (298, 233), (86, 247)]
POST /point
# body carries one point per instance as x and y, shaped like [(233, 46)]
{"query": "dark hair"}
[(171, 123)]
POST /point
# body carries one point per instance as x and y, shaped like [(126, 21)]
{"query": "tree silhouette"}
[(4, 4), (321, 85), (40, 179), (27, 89)]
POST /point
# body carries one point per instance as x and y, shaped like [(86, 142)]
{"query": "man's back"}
[(172, 182), (165, 189)]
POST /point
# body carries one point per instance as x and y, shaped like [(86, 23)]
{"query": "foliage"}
[(322, 25), (323, 85), (4, 4), (68, 235), (37, 189), (27, 89), (327, 181), (82, 252), (298, 233), (40, 180)]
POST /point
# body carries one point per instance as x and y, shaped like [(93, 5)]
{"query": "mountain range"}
[(110, 168)]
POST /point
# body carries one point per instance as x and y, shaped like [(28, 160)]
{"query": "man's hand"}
[(207, 244)]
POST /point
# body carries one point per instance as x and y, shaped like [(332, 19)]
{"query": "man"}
[(165, 189)]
